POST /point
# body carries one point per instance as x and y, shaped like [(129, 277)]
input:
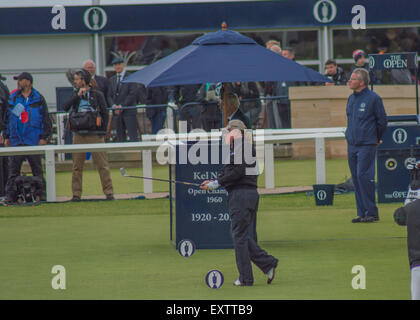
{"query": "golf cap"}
[(24, 75), (117, 60), (236, 124), (357, 54)]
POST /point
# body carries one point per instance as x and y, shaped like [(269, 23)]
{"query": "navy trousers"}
[(361, 161), (243, 206), (157, 121), (127, 122)]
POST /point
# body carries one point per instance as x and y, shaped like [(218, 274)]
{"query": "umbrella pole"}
[(225, 115), (225, 111)]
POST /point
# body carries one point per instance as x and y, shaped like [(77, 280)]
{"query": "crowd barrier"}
[(263, 139)]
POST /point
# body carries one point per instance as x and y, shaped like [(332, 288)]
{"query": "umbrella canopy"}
[(223, 56)]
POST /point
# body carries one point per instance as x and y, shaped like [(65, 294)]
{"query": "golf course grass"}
[(121, 250)]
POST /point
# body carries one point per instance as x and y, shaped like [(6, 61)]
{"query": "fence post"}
[(269, 165), (320, 160), (60, 134), (50, 173), (170, 118), (147, 171)]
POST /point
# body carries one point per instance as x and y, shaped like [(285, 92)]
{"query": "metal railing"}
[(264, 144)]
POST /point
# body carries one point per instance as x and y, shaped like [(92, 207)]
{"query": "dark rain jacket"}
[(366, 118)]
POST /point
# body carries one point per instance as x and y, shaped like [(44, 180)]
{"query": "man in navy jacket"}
[(28, 124), (366, 125)]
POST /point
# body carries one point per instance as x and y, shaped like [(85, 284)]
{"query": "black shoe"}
[(110, 197), (376, 218), (75, 198), (358, 219), (369, 219)]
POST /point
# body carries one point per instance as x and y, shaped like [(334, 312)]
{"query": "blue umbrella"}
[(223, 56)]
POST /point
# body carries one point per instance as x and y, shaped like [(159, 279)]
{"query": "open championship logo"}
[(371, 62), (325, 11), (95, 18), (399, 136), (214, 279), (321, 195), (186, 248)]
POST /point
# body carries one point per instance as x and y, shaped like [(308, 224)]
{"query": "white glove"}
[(213, 185)]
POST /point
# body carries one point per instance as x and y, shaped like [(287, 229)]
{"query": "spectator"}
[(275, 48), (28, 124), (271, 43), (102, 82), (157, 115), (121, 95), (233, 111), (211, 115), (87, 102), (282, 89), (335, 73), (288, 53), (190, 113), (359, 57), (366, 125), (4, 97), (272, 107), (248, 95)]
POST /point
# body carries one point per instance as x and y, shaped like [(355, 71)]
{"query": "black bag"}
[(29, 189), (83, 120)]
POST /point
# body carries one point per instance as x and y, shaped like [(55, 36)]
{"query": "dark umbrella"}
[(223, 56)]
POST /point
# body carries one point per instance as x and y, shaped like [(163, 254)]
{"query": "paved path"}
[(156, 195)]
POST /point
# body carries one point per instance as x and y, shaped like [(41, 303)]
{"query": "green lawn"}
[(121, 250), (287, 173)]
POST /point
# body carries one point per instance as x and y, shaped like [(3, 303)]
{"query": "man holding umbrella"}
[(240, 180)]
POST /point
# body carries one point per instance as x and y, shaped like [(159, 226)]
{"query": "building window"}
[(305, 43), (374, 41), (141, 50), (387, 40), (144, 49)]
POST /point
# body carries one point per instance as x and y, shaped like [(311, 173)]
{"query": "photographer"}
[(88, 119)]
